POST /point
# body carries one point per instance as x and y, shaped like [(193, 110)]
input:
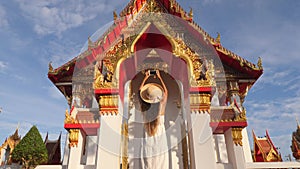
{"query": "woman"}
[(154, 100)]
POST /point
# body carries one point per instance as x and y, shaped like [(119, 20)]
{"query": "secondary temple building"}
[(205, 120)]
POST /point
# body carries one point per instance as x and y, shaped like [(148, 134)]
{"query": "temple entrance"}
[(174, 122)]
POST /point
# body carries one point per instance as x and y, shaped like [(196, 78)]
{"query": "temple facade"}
[(7, 148), (204, 119)]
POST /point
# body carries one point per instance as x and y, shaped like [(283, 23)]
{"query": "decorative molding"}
[(237, 136), (73, 137), (69, 119), (201, 69)]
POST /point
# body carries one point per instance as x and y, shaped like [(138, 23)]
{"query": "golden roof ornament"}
[(259, 63), (90, 42), (50, 67), (115, 15), (173, 5), (218, 39), (191, 14)]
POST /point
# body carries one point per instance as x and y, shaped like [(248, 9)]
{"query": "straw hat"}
[(152, 93)]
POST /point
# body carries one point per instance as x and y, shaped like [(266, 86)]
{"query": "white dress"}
[(155, 148)]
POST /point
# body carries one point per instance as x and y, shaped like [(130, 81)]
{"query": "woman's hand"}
[(147, 74)]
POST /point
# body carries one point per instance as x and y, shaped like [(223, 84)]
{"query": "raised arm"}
[(147, 75), (163, 85)]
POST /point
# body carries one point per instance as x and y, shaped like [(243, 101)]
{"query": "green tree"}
[(31, 151)]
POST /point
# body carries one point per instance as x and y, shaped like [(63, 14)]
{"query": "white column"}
[(203, 155), (91, 150), (66, 151), (2, 152), (109, 142), (220, 146), (235, 152), (75, 154), (246, 146)]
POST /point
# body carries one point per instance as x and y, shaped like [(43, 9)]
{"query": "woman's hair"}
[(151, 114)]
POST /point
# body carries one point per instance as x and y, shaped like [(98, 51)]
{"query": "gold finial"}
[(191, 14), (115, 15), (218, 39), (171, 3), (129, 11), (90, 42), (50, 67), (259, 63)]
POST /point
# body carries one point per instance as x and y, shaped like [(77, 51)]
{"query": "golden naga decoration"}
[(237, 136), (191, 15), (218, 38), (242, 116), (69, 119), (50, 67), (174, 6), (259, 63), (90, 42), (115, 15), (73, 137), (171, 4)]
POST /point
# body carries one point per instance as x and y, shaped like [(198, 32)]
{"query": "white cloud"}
[(3, 17), (57, 16), (276, 116), (3, 65), (257, 28), (60, 52)]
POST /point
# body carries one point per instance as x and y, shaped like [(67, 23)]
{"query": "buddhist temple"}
[(264, 149), (8, 146), (54, 150), (201, 85), (295, 147)]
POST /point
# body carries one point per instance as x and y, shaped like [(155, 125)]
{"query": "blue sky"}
[(38, 31)]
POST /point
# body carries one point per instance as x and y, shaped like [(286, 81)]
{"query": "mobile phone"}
[(152, 72)]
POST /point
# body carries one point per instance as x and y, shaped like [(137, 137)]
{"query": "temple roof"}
[(62, 76), (295, 147), (264, 149), (54, 150), (12, 140)]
